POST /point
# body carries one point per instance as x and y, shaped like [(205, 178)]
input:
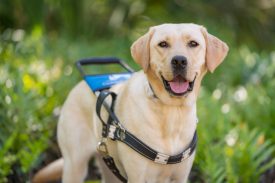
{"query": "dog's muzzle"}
[(178, 86)]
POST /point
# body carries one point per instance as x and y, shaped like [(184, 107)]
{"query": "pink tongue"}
[(178, 85)]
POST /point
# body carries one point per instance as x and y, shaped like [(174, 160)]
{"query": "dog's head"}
[(175, 58)]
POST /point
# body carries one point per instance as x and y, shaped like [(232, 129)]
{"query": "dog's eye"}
[(163, 44), (193, 44)]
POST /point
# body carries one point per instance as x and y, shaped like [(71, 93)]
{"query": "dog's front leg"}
[(76, 150), (74, 171), (77, 146), (75, 134)]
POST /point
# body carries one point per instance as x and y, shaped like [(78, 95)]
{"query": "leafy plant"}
[(228, 150)]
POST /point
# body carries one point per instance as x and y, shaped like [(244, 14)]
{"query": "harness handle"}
[(100, 61), (112, 119)]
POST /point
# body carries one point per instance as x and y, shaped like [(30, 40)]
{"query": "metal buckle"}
[(121, 134), (121, 127), (102, 148), (111, 132), (161, 158), (186, 154)]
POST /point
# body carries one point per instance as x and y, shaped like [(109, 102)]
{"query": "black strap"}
[(109, 161), (146, 151), (112, 117), (101, 101)]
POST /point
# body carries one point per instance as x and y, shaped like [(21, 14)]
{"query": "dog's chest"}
[(168, 131)]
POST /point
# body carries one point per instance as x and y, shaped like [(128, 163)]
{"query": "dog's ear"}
[(216, 50), (140, 50)]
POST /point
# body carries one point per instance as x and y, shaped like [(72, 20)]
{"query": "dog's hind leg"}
[(51, 172)]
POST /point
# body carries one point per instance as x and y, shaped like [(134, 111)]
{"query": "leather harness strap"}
[(109, 161), (114, 130)]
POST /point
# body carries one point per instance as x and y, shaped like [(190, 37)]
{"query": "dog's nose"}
[(179, 62)]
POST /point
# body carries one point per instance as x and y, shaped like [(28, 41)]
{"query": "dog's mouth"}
[(179, 85)]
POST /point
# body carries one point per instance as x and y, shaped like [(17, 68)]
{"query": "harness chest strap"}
[(115, 133), (114, 130)]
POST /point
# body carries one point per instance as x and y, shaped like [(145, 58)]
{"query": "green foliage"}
[(232, 153), (28, 99), (23, 102), (237, 120), (243, 21)]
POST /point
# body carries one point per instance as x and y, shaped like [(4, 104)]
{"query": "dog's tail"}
[(51, 172)]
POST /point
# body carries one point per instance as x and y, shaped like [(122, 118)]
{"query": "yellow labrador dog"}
[(157, 105)]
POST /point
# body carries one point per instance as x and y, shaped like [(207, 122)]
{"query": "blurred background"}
[(41, 40)]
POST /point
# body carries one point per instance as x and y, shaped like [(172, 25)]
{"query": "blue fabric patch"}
[(105, 81)]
